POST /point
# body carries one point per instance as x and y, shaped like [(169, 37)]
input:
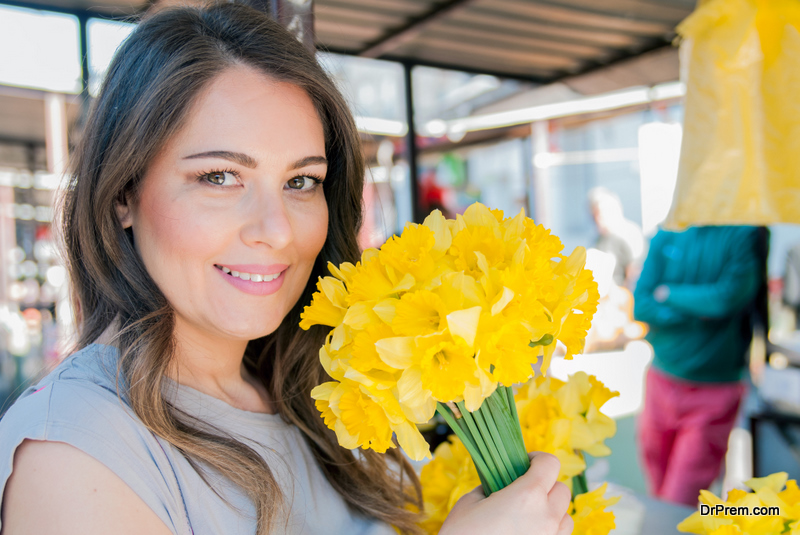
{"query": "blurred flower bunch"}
[(564, 418), (771, 491), (442, 314), (555, 418)]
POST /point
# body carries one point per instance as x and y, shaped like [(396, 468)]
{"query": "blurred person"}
[(617, 235), (696, 292), (219, 172)]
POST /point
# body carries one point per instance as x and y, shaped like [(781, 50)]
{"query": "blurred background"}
[(569, 109)]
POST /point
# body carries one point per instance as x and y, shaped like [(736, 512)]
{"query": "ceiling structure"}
[(536, 40), (588, 45)]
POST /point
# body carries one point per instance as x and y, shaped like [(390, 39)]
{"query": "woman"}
[(219, 172)]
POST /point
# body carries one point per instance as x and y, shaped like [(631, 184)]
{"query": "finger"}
[(566, 526), (544, 470), (559, 497)]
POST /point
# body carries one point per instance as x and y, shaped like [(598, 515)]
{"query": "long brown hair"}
[(150, 87)]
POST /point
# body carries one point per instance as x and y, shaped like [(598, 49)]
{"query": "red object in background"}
[(683, 434), (775, 287)]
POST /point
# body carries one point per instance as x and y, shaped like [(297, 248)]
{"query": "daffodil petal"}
[(474, 395), (502, 300), (573, 264), (409, 388), (515, 227), (358, 316), (774, 481), (386, 310), (396, 352), (346, 440), (441, 232), (464, 324), (412, 441), (323, 392), (406, 283)]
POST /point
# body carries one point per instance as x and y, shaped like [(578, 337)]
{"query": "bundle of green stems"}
[(492, 436)]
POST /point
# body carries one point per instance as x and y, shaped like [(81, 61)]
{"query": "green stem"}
[(466, 416), (486, 475), (502, 468), (579, 485), (510, 444), (512, 406), (500, 437), (517, 426)]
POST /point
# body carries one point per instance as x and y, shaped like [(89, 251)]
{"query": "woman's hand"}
[(536, 503)]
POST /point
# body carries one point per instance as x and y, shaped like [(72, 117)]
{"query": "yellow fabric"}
[(740, 158)]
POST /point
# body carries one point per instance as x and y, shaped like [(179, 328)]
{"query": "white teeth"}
[(254, 277)]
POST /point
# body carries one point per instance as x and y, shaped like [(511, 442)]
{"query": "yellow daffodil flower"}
[(589, 515), (446, 312)]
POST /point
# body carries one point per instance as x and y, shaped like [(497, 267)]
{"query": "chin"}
[(250, 332)]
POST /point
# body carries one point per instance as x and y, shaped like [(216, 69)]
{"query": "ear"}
[(124, 212)]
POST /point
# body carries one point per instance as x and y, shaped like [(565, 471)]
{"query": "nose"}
[(267, 221)]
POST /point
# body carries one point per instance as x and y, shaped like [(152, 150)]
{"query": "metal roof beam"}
[(398, 37), (416, 62), (592, 66)]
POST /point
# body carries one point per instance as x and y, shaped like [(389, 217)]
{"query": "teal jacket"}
[(700, 332)]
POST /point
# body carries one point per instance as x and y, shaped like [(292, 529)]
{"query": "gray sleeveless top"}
[(77, 403)]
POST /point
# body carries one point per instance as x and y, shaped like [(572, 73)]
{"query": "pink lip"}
[(255, 288), (257, 269)]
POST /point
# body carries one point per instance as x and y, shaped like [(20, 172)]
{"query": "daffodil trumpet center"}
[(492, 436)]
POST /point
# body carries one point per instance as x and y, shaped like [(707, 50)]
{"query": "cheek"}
[(313, 233), (170, 236)]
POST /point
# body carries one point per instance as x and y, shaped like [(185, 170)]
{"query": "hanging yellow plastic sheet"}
[(740, 157)]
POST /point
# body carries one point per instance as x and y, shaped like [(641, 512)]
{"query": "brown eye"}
[(216, 178), (219, 178), (300, 182)]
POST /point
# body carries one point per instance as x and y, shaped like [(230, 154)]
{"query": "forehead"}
[(250, 111)]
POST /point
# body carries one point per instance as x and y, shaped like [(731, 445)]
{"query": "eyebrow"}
[(250, 162)]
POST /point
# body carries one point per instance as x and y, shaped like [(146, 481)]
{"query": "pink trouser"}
[(683, 434)]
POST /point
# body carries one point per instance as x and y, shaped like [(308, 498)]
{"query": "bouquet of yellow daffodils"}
[(773, 491), (446, 317), (562, 418)]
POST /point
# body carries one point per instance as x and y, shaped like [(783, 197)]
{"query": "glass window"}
[(45, 49), (105, 37), (373, 89)]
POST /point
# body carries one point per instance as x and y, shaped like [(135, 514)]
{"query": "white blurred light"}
[(435, 128), (381, 127), (609, 101), (456, 133), (659, 152), (29, 269), (16, 255), (378, 174), (56, 275)]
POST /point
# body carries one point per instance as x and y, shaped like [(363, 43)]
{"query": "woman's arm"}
[(534, 503), (57, 488)]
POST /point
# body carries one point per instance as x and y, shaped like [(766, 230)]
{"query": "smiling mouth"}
[(252, 277)]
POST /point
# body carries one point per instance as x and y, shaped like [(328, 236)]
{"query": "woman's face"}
[(235, 195)]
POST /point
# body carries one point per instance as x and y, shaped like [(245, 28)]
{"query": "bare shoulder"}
[(57, 488)]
